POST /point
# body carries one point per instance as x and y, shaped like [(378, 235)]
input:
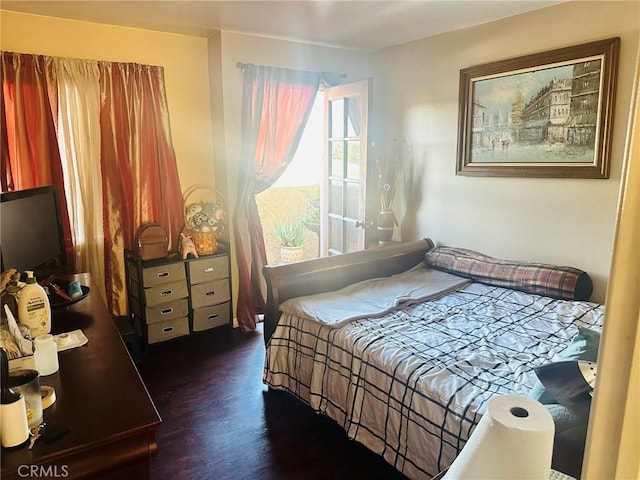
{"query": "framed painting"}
[(547, 114)]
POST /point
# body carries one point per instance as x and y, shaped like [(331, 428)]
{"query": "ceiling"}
[(363, 25)]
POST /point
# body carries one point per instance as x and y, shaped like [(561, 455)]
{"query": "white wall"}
[(562, 221), (613, 439)]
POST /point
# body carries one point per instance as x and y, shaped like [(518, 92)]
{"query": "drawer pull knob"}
[(209, 269), (166, 292), (162, 274), (212, 317), (166, 311), (212, 292), (167, 330)]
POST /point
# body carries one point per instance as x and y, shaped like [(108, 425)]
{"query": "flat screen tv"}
[(31, 235)]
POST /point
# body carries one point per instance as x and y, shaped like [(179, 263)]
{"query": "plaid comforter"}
[(412, 385)]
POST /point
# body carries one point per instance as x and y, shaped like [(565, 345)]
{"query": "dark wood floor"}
[(220, 422)]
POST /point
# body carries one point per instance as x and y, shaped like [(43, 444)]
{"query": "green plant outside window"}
[(289, 234)]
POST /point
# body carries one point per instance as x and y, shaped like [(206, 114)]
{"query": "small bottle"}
[(34, 309), (74, 290), (45, 354)]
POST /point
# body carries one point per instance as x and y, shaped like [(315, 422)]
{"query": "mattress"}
[(412, 384)]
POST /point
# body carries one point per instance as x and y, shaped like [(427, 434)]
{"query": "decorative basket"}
[(205, 217)]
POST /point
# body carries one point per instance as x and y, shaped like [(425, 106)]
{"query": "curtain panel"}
[(79, 143), (30, 153), (107, 145), (139, 171), (276, 105)]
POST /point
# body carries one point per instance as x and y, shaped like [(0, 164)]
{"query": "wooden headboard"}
[(333, 273)]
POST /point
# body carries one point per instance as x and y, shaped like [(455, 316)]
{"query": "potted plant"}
[(311, 219), (290, 236)]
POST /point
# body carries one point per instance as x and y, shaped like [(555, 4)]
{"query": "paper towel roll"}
[(15, 430), (513, 440)]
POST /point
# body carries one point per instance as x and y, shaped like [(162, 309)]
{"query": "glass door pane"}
[(345, 184)]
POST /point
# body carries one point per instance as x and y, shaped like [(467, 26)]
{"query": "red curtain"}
[(276, 106), (138, 165), (139, 172), (30, 154)]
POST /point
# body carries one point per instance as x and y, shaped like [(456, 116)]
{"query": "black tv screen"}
[(31, 237)]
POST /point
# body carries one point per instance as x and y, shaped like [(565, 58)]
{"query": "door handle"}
[(364, 223)]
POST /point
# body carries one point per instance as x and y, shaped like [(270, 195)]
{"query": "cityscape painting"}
[(543, 115)]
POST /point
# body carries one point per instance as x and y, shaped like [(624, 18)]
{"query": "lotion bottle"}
[(34, 309)]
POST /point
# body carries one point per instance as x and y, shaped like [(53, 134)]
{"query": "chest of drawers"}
[(172, 297), (210, 292)]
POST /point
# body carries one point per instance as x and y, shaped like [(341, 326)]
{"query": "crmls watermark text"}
[(43, 471)]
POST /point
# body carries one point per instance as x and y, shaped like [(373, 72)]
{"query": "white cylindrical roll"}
[(514, 439), (15, 429)]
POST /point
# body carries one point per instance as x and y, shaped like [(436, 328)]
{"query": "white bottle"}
[(45, 354), (34, 309)]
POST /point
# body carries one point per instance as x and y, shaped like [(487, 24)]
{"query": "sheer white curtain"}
[(79, 141)]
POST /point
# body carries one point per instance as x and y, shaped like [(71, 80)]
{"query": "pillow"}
[(584, 346), (565, 283), (569, 381)]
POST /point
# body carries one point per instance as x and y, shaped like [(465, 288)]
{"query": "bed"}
[(404, 354)]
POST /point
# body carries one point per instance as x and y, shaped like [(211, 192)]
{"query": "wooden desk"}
[(100, 399)]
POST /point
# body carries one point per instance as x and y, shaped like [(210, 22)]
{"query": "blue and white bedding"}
[(412, 384)]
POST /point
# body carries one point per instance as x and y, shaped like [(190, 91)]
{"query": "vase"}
[(291, 254), (314, 227), (385, 223)]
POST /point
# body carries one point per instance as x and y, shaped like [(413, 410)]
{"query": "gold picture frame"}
[(547, 114)]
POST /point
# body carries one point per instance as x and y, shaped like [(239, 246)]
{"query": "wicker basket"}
[(206, 243), (204, 217)]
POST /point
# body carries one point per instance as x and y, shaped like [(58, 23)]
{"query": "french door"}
[(346, 219)]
